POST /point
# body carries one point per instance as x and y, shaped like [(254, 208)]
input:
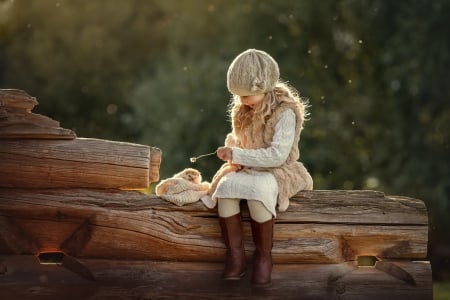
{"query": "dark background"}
[(376, 74)]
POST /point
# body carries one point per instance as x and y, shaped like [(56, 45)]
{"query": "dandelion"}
[(194, 159)]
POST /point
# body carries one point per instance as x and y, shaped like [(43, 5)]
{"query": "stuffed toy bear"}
[(183, 188)]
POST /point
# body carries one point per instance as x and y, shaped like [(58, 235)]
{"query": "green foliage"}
[(79, 58), (183, 112), (441, 290), (153, 72)]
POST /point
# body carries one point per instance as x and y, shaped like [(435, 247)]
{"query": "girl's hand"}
[(224, 153), (236, 167)]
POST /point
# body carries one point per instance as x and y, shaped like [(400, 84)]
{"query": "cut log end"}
[(155, 164)]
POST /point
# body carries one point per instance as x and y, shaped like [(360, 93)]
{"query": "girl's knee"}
[(228, 207), (258, 212)]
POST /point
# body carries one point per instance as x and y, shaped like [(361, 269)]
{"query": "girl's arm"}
[(277, 153)]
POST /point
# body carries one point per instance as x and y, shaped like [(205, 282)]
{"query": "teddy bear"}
[(183, 188)]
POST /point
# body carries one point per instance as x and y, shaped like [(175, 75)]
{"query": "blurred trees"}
[(375, 73), (80, 58)]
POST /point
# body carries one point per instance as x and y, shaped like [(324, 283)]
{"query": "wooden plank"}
[(131, 225), (359, 207), (80, 162), (26, 279)]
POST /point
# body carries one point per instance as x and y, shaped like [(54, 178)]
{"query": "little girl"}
[(261, 155)]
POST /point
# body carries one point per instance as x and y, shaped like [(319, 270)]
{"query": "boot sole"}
[(262, 285), (234, 277)]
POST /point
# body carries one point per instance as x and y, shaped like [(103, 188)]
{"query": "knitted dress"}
[(271, 171)]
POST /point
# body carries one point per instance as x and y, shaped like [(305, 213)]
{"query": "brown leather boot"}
[(235, 264), (262, 264)]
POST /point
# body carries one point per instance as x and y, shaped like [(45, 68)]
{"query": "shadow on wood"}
[(188, 280)]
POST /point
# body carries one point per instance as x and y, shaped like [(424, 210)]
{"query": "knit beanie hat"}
[(252, 72)]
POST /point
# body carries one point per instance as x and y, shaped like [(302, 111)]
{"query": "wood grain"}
[(114, 224), (17, 120), (80, 162)]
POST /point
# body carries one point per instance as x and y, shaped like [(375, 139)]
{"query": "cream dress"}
[(255, 185)]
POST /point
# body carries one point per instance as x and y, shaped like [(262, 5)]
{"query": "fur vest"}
[(250, 132)]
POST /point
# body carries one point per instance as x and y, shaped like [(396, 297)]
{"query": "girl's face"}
[(252, 101)]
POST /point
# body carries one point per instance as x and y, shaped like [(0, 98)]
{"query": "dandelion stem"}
[(194, 159)]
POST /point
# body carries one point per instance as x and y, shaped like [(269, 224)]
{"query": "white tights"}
[(229, 207)]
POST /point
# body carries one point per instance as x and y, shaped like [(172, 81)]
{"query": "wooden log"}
[(24, 278), (79, 162), (14, 98), (17, 120), (319, 227)]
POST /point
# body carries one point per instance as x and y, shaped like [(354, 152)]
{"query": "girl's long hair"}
[(241, 114)]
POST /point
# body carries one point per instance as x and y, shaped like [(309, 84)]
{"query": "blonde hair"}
[(241, 114)]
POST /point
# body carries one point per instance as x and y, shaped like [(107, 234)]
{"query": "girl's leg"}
[(228, 207), (262, 230), (231, 225), (258, 212)]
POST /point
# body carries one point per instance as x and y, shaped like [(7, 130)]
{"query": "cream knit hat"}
[(252, 72)]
